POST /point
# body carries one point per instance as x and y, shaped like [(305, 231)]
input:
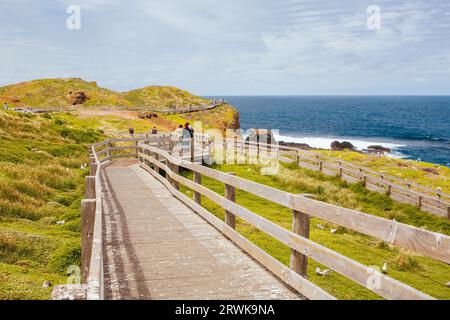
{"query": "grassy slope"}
[(40, 183), (48, 93), (55, 93), (159, 97), (420, 272), (404, 169)]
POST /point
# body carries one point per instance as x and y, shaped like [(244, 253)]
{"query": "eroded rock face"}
[(261, 135), (78, 98), (344, 145)]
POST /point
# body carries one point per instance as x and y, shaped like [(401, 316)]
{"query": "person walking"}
[(131, 131)]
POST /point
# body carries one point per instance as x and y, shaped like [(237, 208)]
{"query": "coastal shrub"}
[(404, 262), (80, 136), (66, 255)]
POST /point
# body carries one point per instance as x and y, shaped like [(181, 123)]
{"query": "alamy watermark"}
[(374, 20), (214, 146), (73, 22)]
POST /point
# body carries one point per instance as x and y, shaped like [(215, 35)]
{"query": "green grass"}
[(426, 174), (58, 93), (40, 183), (420, 272)]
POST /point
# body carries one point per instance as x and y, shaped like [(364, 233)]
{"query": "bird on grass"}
[(83, 166), (385, 268), (322, 273), (321, 227), (333, 230)]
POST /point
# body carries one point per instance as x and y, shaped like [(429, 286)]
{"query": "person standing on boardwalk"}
[(154, 130), (5, 106), (189, 128), (131, 131)]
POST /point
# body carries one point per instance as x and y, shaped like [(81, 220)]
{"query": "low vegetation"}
[(420, 272), (41, 186), (424, 173)]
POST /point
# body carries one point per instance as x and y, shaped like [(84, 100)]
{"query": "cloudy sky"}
[(216, 47)]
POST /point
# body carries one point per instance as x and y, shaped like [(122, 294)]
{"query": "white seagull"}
[(323, 273)]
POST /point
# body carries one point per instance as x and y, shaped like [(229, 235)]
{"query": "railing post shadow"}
[(301, 226), (192, 149), (230, 194)]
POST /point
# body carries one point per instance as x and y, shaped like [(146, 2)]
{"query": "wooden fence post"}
[(87, 231), (224, 142), (419, 202), (108, 151), (301, 226), (388, 192), (230, 194), (448, 213), (197, 195), (235, 149), (298, 158), (90, 188), (176, 170), (137, 149), (192, 149), (93, 169)]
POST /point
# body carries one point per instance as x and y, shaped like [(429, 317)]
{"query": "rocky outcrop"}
[(431, 170), (302, 146), (147, 115), (78, 98), (339, 146), (379, 149)]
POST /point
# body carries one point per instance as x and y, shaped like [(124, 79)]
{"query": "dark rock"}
[(379, 149), (303, 146), (261, 135), (79, 98), (431, 170), (339, 146), (147, 115)]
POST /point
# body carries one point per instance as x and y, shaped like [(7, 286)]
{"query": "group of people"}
[(184, 132), (131, 131)]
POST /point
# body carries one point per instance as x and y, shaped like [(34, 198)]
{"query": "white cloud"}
[(211, 46)]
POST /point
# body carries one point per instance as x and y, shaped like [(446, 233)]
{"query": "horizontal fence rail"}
[(156, 155), (425, 242), (426, 199)]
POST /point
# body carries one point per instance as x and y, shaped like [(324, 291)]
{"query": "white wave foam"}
[(325, 142)]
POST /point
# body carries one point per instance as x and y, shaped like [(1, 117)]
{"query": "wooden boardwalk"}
[(155, 247)]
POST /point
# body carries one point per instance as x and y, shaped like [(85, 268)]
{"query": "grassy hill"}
[(58, 93), (158, 97), (105, 109), (63, 93)]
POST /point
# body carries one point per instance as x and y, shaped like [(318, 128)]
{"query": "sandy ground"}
[(127, 114)]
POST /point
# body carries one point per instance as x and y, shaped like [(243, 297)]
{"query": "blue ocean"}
[(414, 127)]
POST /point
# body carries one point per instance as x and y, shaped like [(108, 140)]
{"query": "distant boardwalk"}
[(157, 248)]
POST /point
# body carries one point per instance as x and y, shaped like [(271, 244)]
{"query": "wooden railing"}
[(428, 243), (154, 155), (426, 199)]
